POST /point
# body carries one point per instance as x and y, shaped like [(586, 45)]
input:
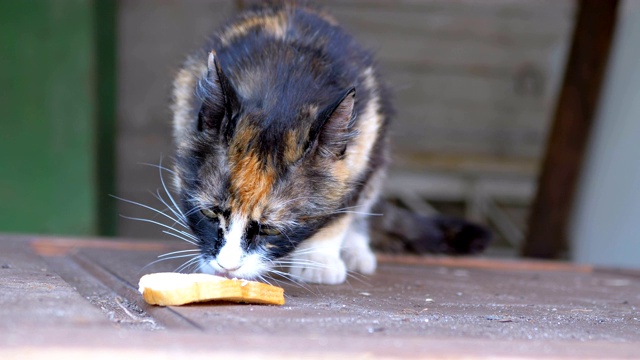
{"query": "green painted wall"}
[(49, 153)]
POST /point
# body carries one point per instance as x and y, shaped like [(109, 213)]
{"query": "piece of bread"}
[(178, 289)]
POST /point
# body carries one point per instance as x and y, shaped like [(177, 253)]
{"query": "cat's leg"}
[(317, 259), (356, 252)]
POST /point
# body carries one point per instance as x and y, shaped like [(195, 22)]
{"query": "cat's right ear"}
[(219, 100), (335, 130)]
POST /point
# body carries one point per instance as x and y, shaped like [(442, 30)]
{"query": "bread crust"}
[(166, 289)]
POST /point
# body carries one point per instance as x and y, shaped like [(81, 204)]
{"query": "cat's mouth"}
[(225, 273), (211, 266), (228, 273)]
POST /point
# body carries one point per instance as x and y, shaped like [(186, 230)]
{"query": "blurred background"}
[(491, 124)]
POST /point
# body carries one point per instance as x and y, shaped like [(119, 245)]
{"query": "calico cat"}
[(280, 126)]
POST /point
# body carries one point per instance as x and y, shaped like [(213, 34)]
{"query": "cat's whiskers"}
[(192, 242), (174, 213), (162, 225), (351, 207), (193, 210), (356, 212), (299, 264), (190, 263), (175, 209), (307, 251), (288, 238), (177, 252), (171, 257), (263, 278), (359, 277), (178, 217), (193, 256), (352, 210), (152, 209), (181, 219), (160, 166), (273, 269), (288, 225), (296, 280), (345, 210)]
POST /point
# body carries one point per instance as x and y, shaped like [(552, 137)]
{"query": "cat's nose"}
[(230, 256), (228, 268)]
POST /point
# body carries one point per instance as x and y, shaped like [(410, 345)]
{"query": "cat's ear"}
[(219, 100), (337, 129)]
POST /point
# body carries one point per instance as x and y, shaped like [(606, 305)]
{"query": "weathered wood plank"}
[(412, 307)]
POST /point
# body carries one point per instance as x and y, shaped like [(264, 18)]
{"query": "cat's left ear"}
[(220, 100), (337, 129)]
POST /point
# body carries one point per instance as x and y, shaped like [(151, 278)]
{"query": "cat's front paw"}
[(357, 254), (361, 260), (320, 269)]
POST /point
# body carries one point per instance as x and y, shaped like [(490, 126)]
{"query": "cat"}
[(281, 133)]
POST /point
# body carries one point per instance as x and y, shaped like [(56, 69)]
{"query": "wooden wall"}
[(474, 80)]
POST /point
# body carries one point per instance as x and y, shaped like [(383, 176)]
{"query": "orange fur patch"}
[(251, 183), (292, 151), (251, 178)]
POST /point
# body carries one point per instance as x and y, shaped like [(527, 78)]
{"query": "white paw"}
[(321, 269), (361, 260)]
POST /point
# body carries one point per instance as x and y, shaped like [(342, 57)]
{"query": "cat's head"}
[(254, 182)]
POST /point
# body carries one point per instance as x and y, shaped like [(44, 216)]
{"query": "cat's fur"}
[(280, 125)]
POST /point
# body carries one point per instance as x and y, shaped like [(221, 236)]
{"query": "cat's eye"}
[(209, 213), (269, 231)]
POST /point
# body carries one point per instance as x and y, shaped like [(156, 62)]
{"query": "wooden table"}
[(77, 298)]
